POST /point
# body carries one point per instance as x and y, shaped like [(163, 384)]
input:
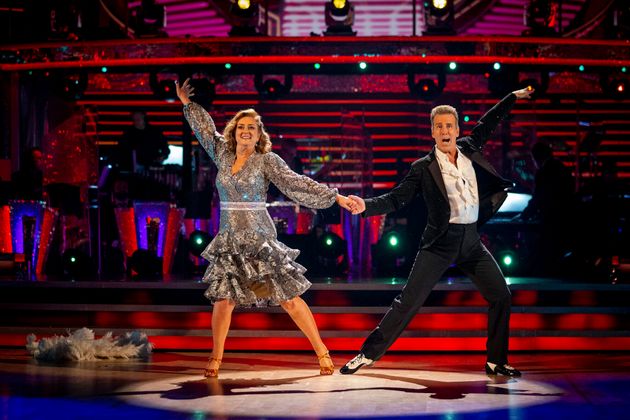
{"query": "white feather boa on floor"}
[(81, 345)]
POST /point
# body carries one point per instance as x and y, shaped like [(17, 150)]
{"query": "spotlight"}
[(339, 18), (198, 242), (615, 86), (541, 18), (244, 18), (391, 253), (273, 88), (77, 264), (426, 88), (330, 251), (145, 264), (439, 17), (150, 19), (163, 86), (508, 260)]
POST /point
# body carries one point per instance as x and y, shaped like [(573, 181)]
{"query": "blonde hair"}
[(264, 142), (444, 109)]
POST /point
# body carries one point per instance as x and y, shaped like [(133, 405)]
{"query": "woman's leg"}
[(221, 317), (301, 314)]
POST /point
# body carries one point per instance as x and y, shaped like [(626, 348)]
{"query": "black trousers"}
[(462, 246)]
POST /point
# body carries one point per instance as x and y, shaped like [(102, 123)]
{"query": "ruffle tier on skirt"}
[(252, 270)]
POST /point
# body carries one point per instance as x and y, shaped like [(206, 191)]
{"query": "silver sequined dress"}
[(247, 263)]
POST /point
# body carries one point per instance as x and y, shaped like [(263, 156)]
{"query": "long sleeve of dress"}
[(205, 130), (299, 188)]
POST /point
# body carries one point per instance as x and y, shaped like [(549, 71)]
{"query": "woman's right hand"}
[(185, 91)]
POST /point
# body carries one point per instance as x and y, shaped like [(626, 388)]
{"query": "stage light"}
[(581, 67), (163, 86), (497, 66), (426, 88), (103, 69), (439, 17), (244, 18), (317, 66), (198, 241), (391, 254), (439, 4), (339, 18), (623, 69), (363, 65), (77, 264), (508, 260), (273, 88), (466, 118), (615, 86), (145, 264), (452, 65), (228, 66)]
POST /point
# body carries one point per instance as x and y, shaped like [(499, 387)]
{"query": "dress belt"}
[(243, 205)]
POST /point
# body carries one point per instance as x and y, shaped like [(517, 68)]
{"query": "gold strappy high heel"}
[(326, 370), (212, 373)]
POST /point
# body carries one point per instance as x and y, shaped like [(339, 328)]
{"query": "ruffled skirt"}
[(252, 269)]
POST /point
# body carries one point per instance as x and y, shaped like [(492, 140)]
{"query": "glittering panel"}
[(48, 228), (204, 225), (145, 212), (70, 151), (19, 209), (126, 221), (173, 227), (6, 247)]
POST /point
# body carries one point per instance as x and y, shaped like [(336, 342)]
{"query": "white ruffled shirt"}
[(461, 187)]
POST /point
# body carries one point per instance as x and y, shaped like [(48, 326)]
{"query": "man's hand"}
[(358, 205), (524, 93), (345, 202)]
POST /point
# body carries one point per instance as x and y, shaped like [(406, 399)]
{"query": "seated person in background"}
[(28, 180), (141, 146)]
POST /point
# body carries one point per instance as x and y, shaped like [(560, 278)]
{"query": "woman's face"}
[(247, 133)]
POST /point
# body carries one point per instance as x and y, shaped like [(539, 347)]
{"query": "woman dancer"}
[(248, 265)]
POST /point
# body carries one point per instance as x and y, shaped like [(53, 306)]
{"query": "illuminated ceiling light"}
[(363, 65), (339, 18), (439, 16), (497, 66), (244, 18), (581, 67), (452, 65)]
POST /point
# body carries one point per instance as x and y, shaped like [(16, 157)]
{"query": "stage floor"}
[(287, 385)]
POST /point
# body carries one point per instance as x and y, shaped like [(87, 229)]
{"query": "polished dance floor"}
[(287, 385)]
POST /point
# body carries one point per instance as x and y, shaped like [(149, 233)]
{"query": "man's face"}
[(445, 132)]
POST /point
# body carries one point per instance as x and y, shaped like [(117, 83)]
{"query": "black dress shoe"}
[(505, 370), (355, 364)]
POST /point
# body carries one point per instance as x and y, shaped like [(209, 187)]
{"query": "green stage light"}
[(581, 67), (452, 65), (466, 118), (497, 66), (393, 240), (363, 65), (228, 66), (623, 69), (507, 260), (73, 259), (104, 69), (198, 242), (317, 66), (328, 241)]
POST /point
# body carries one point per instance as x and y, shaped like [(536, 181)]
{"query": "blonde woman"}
[(248, 265)]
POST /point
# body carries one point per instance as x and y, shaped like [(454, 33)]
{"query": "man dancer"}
[(462, 191)]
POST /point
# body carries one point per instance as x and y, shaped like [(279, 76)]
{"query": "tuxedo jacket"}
[(425, 177)]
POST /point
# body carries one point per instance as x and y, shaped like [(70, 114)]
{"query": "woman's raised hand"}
[(185, 91)]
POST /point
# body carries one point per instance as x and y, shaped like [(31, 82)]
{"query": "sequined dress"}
[(247, 263)]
